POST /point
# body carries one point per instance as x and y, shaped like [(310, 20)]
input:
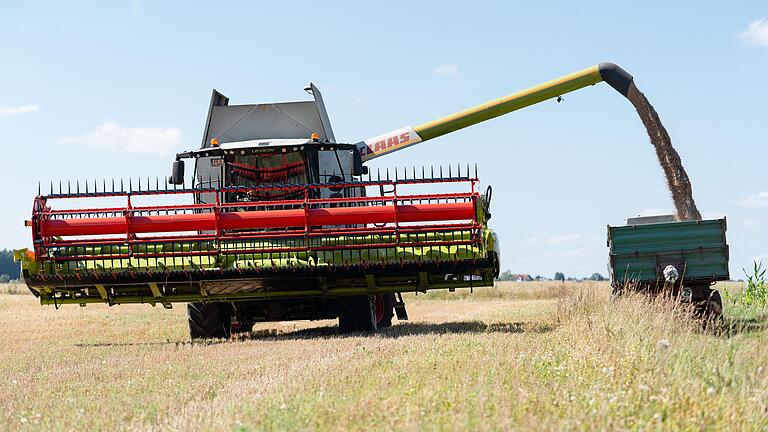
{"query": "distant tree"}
[(559, 277), (538, 278), (597, 277), (506, 275), (7, 266)]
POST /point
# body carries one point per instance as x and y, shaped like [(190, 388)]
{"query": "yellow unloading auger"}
[(407, 136), (280, 229)]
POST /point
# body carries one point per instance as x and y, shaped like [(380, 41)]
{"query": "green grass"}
[(544, 356)]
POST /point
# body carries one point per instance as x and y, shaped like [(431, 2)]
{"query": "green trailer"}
[(659, 254)]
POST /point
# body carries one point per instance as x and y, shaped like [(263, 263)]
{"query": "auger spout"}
[(407, 136)]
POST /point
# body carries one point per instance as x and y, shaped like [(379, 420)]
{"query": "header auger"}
[(280, 222)]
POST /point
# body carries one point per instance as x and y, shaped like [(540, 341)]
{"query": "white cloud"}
[(756, 32), (654, 212), (566, 238), (758, 200), (136, 7), (750, 223), (157, 140), (21, 109), (448, 71), (714, 214), (575, 253)]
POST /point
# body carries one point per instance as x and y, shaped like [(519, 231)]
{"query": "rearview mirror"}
[(177, 172), (358, 169)]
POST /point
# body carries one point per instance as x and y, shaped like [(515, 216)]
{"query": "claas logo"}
[(389, 142)]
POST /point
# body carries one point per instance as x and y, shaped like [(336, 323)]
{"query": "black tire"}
[(355, 313), (241, 328), (209, 320), (616, 291), (388, 301), (714, 309)]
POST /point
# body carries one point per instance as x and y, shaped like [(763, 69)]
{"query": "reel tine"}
[(77, 183)]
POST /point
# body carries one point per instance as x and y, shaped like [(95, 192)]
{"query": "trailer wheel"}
[(708, 305), (355, 312), (209, 320), (714, 308)]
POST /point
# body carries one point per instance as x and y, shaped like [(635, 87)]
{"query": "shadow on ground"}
[(404, 329), (734, 326), (396, 331)]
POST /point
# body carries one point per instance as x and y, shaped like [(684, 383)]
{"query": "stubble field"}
[(544, 356)]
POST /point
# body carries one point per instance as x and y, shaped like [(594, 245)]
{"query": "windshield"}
[(266, 169)]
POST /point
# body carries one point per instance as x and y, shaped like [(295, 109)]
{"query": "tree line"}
[(9, 270), (507, 275)]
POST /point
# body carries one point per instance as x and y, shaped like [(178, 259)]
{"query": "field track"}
[(538, 356)]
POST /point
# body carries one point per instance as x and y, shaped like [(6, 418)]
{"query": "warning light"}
[(214, 142), (315, 137)]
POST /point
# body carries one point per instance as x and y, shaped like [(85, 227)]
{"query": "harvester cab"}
[(274, 143), (280, 222)]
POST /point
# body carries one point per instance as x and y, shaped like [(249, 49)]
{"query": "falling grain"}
[(677, 179)]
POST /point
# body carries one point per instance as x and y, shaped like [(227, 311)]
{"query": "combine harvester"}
[(280, 223)]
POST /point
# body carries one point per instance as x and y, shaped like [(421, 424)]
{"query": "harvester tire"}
[(355, 313), (388, 302), (209, 320)]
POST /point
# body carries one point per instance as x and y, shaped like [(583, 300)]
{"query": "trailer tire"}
[(714, 308), (209, 320)]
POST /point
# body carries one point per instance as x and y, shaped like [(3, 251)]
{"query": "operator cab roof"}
[(254, 146), (276, 142)]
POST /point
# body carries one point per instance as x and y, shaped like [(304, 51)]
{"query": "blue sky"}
[(114, 89)]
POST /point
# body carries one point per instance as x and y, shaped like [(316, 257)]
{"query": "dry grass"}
[(548, 356)]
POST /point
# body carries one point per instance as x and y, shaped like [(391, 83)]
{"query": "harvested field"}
[(549, 356)]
